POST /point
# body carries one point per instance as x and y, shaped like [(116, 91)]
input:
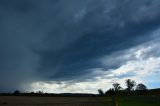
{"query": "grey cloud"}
[(62, 40), (103, 37)]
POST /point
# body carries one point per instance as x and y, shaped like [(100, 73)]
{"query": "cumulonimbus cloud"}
[(64, 40)]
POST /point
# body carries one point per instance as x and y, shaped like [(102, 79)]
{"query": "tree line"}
[(131, 89)]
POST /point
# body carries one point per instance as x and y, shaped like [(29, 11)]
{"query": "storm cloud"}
[(60, 40)]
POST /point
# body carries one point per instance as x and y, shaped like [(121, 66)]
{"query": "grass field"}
[(53, 101), (139, 101)]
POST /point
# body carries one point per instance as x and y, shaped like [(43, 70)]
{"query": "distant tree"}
[(141, 87), (40, 92), (116, 87), (16, 92), (100, 91), (130, 84), (110, 92), (32, 93)]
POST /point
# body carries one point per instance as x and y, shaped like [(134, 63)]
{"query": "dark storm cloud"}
[(99, 36), (17, 5), (62, 40)]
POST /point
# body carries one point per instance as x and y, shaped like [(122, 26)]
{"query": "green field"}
[(139, 101)]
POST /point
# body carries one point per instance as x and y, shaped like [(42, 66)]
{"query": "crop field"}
[(53, 101)]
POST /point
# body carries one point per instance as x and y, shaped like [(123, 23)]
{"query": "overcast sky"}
[(78, 45)]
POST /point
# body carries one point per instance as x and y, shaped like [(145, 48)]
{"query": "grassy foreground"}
[(139, 101)]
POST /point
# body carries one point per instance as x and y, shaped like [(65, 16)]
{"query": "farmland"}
[(148, 100), (53, 101)]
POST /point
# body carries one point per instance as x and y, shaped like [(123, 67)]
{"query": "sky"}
[(78, 46)]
